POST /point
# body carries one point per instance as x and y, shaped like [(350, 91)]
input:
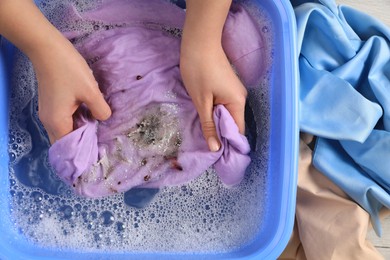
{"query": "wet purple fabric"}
[(153, 138)]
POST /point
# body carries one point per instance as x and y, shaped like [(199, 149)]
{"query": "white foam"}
[(190, 218), (25, 89)]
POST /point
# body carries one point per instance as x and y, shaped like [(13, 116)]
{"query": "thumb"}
[(208, 127), (237, 111), (98, 105)]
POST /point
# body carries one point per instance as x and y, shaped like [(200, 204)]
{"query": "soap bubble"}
[(107, 218)]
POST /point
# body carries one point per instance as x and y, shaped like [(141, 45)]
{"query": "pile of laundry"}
[(344, 66)]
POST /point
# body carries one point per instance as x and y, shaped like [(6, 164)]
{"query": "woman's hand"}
[(64, 79), (64, 82), (206, 71), (210, 80)]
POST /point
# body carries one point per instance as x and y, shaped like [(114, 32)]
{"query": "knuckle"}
[(241, 98), (208, 128), (92, 96), (93, 85), (91, 90)]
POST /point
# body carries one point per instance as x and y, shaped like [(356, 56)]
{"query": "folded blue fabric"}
[(345, 98)]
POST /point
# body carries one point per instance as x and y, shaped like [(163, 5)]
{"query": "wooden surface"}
[(377, 8), (381, 10), (382, 243)]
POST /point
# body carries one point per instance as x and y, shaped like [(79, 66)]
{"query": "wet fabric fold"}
[(153, 138)]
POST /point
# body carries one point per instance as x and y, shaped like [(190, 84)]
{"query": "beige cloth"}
[(328, 224)]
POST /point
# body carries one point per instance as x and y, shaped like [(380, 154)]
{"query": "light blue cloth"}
[(345, 98)]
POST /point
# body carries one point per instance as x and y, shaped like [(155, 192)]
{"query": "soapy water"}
[(202, 216)]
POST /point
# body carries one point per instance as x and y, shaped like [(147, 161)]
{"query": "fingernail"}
[(213, 144)]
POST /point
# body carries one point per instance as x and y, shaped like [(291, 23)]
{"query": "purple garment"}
[(153, 138)]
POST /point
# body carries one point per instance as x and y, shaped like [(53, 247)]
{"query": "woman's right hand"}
[(64, 79), (65, 82)]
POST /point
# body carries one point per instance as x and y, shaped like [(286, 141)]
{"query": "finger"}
[(237, 111), (98, 105), (52, 139), (208, 126)]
